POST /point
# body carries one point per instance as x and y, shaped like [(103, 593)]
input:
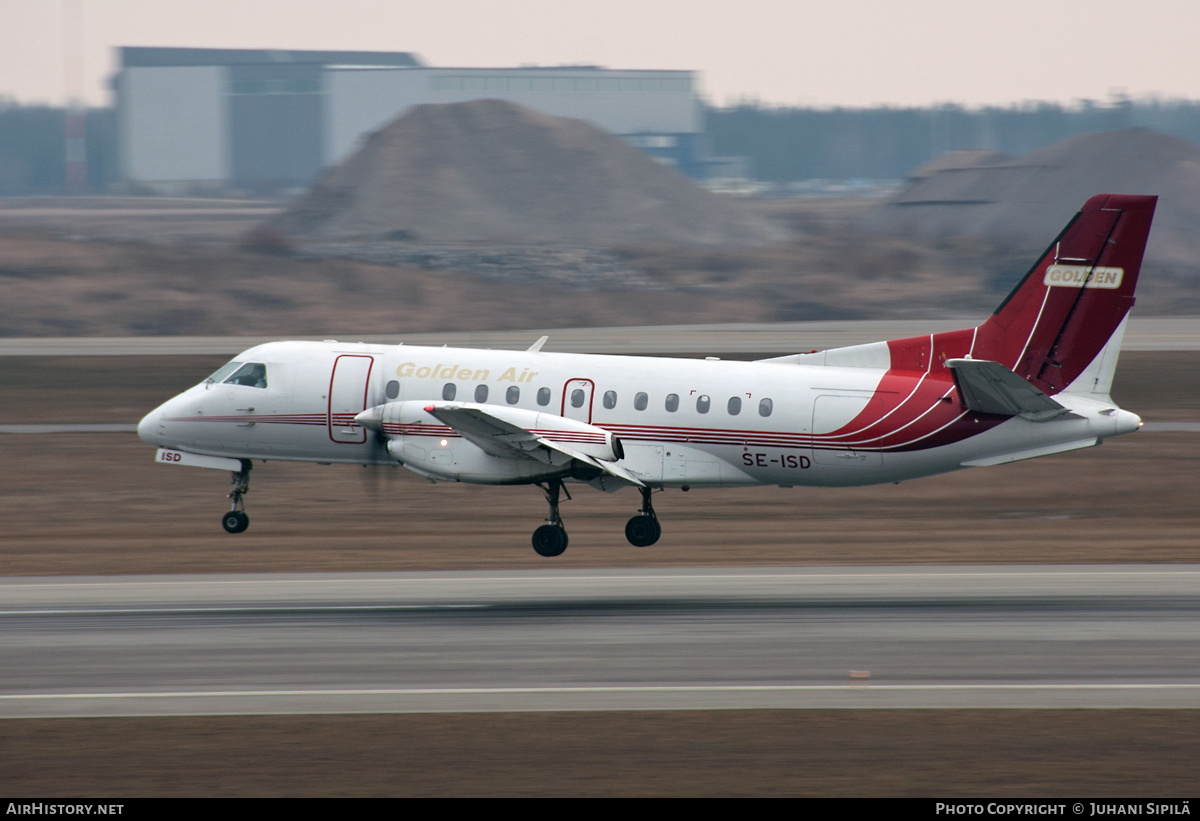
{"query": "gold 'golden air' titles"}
[(1084, 276), (411, 370)]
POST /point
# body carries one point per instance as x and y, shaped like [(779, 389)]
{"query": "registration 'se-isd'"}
[(1034, 379)]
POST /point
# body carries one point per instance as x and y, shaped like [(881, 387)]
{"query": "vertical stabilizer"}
[(1062, 325), (1097, 378)]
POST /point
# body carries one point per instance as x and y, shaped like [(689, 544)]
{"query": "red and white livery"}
[(1032, 380)]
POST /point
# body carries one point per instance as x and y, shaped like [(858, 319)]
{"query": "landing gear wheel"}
[(235, 521), (642, 530), (550, 540)]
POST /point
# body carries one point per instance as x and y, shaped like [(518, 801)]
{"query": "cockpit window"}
[(224, 371), (252, 375)]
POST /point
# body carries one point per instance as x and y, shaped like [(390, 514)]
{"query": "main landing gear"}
[(643, 529), (551, 538), (236, 520)]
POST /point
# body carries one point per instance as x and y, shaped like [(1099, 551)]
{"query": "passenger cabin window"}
[(449, 391), (735, 405), (577, 398), (392, 390), (543, 396), (481, 392), (513, 395), (252, 375), (703, 403), (672, 402), (610, 399), (640, 401), (764, 407)]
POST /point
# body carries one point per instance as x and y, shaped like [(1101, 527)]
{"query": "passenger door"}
[(348, 397), (577, 399)]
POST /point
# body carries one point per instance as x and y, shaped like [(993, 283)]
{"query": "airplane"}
[(1032, 380)]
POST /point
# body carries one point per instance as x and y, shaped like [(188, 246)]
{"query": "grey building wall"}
[(256, 118), (275, 122), (622, 102), (360, 101), (173, 124), (194, 117)]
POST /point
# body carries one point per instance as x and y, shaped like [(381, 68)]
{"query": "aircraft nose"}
[(151, 428)]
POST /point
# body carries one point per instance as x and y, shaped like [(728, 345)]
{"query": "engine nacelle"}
[(430, 447)]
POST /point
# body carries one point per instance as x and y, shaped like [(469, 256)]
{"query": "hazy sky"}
[(781, 52)]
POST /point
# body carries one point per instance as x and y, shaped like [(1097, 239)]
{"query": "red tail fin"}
[(1061, 315)]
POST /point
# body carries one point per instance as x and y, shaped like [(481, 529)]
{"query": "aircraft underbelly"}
[(644, 460), (687, 464)]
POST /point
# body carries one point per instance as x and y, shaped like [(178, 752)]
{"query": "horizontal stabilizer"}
[(989, 387), (1032, 453)]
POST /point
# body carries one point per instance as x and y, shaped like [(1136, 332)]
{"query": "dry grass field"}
[(936, 754), (93, 272)]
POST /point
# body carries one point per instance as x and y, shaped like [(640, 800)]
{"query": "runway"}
[(912, 637), (763, 338)]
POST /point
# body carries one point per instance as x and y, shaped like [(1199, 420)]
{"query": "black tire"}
[(235, 521), (549, 540), (642, 530)]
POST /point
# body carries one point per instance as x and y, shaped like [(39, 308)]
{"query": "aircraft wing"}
[(989, 387), (490, 434), (608, 467), (499, 437)]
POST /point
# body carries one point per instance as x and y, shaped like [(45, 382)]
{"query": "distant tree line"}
[(783, 145), (791, 144)]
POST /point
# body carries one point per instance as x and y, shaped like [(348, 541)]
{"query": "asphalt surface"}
[(1143, 334), (724, 638)]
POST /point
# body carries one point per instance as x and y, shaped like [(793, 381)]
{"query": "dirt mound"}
[(1023, 201), (958, 160), (491, 171)]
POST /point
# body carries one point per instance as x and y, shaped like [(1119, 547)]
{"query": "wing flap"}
[(608, 467)]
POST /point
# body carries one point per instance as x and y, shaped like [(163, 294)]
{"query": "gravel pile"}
[(492, 172)]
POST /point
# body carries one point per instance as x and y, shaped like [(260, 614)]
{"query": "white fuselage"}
[(679, 421)]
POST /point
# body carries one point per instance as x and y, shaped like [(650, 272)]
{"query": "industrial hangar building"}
[(192, 119)]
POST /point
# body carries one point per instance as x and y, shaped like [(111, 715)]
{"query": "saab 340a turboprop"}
[(1032, 380)]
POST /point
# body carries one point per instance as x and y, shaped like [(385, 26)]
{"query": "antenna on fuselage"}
[(537, 346)]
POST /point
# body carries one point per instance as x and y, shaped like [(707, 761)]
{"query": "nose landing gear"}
[(236, 520)]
